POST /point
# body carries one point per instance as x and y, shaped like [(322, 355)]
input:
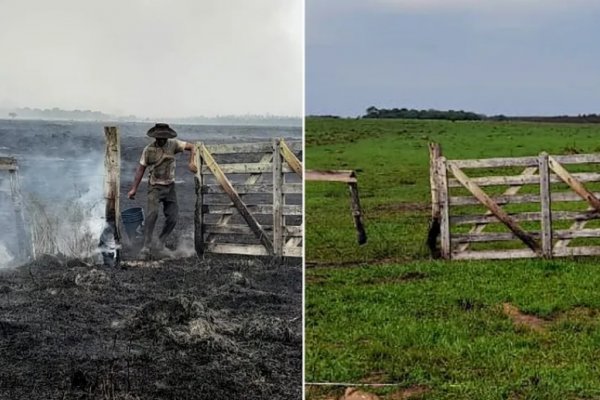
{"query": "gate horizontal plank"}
[(524, 179), (288, 188), (525, 161), (238, 229), (517, 199), (8, 164), (496, 162), (525, 216), (494, 254), (232, 229), (294, 230), (248, 249), (578, 158), (577, 251), (503, 236), (249, 147), (247, 168), (230, 248), (292, 251), (255, 209), (331, 176)]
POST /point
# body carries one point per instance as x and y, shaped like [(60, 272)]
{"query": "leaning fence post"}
[(356, 210), (199, 214), (444, 209), (112, 168), (278, 221), (545, 202)]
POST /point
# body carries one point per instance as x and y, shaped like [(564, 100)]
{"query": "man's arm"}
[(192, 164), (136, 181)]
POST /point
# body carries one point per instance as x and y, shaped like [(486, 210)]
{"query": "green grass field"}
[(385, 313)]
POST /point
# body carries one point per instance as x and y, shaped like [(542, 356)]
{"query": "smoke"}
[(6, 259), (71, 224), (61, 175)]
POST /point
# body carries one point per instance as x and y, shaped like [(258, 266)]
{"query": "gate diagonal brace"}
[(573, 183), (290, 158), (478, 228), (235, 198), (494, 207)]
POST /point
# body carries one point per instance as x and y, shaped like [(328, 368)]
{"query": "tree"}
[(372, 112), (12, 114)]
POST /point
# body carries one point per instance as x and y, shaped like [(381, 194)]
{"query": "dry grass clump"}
[(68, 228)]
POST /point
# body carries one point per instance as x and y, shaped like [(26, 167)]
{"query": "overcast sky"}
[(153, 57), (516, 57)]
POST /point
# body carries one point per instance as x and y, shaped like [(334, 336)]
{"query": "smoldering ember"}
[(173, 326)]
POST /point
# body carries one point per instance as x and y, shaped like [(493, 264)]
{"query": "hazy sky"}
[(517, 57), (153, 57)]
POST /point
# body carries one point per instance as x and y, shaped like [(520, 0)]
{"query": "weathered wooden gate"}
[(23, 241), (249, 199), (542, 209), (348, 177)]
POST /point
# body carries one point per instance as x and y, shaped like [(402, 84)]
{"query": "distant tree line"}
[(581, 118), (453, 115), (405, 113)]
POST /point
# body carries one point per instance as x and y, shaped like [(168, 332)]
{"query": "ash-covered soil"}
[(219, 328)]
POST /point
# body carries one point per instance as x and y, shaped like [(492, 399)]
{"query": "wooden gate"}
[(23, 241), (249, 199), (541, 209)]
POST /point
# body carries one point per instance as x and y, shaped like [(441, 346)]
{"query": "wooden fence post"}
[(435, 152), (112, 182), (25, 242), (446, 250), (199, 213), (545, 202), (278, 221)]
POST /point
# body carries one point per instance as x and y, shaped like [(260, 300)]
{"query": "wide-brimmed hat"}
[(162, 131)]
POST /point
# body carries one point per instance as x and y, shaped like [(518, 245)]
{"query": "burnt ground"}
[(218, 328), (179, 329)]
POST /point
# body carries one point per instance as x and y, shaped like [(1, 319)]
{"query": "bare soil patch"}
[(358, 394), (524, 320)]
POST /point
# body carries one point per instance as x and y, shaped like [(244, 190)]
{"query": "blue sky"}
[(514, 57)]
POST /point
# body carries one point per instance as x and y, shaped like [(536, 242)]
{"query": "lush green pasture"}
[(385, 310)]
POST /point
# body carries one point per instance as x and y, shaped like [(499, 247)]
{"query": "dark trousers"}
[(167, 196)]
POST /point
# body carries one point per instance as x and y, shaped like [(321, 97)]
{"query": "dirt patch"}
[(358, 394), (532, 322), (578, 313), (219, 328)]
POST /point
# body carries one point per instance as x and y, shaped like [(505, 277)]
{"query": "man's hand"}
[(131, 194), (192, 167)]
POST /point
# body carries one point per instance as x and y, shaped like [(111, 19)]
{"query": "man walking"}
[(159, 158)]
